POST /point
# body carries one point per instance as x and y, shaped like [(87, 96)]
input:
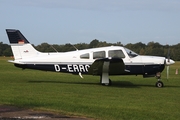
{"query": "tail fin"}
[(20, 46)]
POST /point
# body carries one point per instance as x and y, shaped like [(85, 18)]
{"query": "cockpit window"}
[(84, 56), (131, 53), (116, 53), (99, 54)]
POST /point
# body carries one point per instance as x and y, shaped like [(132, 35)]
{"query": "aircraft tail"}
[(20, 46)]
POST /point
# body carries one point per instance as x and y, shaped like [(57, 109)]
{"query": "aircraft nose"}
[(169, 61)]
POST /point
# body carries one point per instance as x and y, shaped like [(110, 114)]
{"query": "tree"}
[(94, 43), (152, 48), (137, 47), (5, 50), (44, 47), (142, 51)]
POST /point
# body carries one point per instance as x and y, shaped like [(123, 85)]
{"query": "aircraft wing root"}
[(115, 66)]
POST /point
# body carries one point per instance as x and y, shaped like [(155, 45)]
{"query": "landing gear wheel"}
[(105, 84), (159, 84)]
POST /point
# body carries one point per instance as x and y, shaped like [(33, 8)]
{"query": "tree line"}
[(152, 48)]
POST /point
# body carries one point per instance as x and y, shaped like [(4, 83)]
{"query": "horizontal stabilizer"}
[(15, 62)]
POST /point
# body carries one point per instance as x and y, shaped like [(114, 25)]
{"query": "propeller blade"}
[(168, 55), (168, 62), (167, 72)]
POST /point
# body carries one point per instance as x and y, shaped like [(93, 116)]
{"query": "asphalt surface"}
[(15, 113)]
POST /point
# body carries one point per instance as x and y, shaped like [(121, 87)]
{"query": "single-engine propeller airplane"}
[(102, 61)]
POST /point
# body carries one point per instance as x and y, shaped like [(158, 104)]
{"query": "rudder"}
[(20, 46)]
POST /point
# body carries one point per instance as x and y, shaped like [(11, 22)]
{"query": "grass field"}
[(129, 97)]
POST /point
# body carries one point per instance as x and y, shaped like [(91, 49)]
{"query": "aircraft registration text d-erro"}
[(102, 61)]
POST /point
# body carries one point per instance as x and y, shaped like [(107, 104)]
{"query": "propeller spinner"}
[(168, 63)]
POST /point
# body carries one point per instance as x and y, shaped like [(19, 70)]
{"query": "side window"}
[(116, 53), (84, 56), (99, 54)]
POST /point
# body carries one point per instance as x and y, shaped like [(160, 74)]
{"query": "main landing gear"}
[(105, 82), (159, 83), (104, 78)]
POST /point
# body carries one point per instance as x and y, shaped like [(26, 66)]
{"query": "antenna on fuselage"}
[(54, 48), (73, 46)]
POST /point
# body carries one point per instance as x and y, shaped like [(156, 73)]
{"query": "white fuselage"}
[(81, 60)]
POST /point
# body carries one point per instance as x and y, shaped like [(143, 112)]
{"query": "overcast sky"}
[(81, 21)]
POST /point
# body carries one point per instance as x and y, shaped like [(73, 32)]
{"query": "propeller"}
[(168, 63), (168, 60), (167, 76)]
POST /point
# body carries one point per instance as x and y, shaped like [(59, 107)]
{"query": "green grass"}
[(129, 97)]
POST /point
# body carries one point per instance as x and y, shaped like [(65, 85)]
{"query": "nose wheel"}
[(159, 83)]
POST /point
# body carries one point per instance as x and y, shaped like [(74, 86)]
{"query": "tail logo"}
[(20, 41), (26, 51)]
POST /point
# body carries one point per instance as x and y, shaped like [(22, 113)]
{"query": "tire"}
[(159, 84)]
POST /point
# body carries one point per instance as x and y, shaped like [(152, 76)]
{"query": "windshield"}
[(131, 53)]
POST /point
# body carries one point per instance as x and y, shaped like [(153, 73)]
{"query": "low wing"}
[(112, 66)]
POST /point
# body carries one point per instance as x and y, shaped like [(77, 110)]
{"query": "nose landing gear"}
[(159, 83)]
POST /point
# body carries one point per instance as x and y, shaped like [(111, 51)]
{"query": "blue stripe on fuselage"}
[(83, 68)]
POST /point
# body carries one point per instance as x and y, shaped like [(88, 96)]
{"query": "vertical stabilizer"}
[(20, 46)]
